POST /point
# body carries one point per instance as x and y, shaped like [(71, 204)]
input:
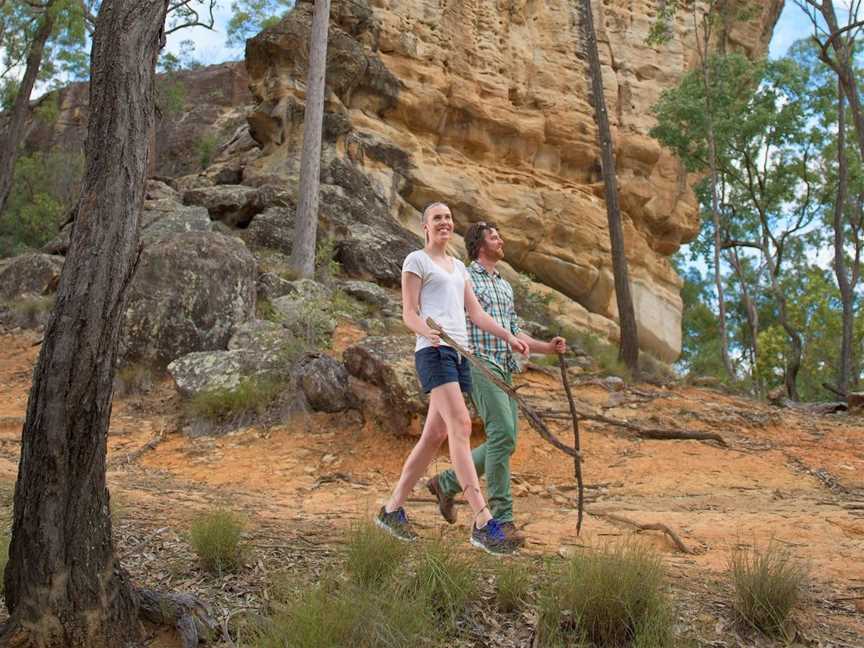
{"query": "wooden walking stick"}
[(577, 460), (532, 416)]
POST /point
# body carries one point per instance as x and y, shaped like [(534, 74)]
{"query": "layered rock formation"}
[(484, 104)]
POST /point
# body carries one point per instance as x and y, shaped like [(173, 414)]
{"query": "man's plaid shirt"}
[(496, 297)]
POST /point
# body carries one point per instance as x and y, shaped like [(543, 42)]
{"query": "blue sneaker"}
[(492, 539), (396, 524)]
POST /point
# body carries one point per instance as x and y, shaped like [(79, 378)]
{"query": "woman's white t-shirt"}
[(442, 296)]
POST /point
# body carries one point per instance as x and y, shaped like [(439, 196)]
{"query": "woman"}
[(436, 285)]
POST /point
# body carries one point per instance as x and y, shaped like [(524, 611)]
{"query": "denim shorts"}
[(440, 365)]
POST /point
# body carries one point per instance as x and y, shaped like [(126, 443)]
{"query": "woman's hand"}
[(433, 336), (518, 345)]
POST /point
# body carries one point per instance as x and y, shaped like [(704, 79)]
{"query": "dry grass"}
[(768, 585), (215, 539)]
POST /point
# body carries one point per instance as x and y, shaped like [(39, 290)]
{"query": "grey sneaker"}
[(492, 539), (446, 503), (396, 524)]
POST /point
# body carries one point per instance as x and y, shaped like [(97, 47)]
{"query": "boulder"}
[(261, 336), (29, 274), (272, 286), (204, 371), (387, 362), (189, 293), (324, 382), (370, 293), (273, 229), (169, 221), (234, 205)]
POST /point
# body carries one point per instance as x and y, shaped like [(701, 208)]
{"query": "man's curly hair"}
[(474, 237)]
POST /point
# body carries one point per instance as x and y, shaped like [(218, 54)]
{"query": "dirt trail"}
[(794, 478)]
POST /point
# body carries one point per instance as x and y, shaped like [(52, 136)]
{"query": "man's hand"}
[(558, 345), (518, 345)]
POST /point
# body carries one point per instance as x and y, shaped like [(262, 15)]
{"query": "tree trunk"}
[(715, 217), (14, 134), (306, 226), (64, 586), (752, 318), (629, 349), (846, 294)]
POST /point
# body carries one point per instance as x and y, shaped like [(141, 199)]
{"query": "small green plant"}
[(326, 265), (768, 584), (605, 355), (133, 378), (444, 578), (206, 147), (30, 310), (372, 557), (613, 596), (512, 585), (335, 613), (531, 305), (4, 554), (215, 539), (250, 397)]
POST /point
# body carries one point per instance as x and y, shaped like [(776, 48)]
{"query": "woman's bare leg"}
[(447, 400), (434, 433)]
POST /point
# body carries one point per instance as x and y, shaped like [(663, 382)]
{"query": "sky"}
[(210, 46)]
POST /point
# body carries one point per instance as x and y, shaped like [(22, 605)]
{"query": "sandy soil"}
[(786, 476)]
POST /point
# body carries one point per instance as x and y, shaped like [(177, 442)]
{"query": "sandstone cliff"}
[(484, 104)]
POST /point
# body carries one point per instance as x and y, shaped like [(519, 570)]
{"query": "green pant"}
[(492, 458)]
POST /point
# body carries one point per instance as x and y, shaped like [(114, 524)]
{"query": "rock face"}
[(29, 274), (486, 107), (200, 110)]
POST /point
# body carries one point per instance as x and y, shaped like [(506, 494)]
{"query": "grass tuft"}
[(251, 397), (445, 578), (215, 538), (372, 557), (768, 584), (613, 596), (512, 585)]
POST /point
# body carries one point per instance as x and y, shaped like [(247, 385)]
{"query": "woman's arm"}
[(485, 322), (411, 285)]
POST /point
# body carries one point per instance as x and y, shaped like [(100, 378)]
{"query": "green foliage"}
[(531, 305), (170, 96), (512, 585), (44, 188), (333, 613), (206, 147), (613, 596), (5, 539), (250, 397), (445, 579), (326, 265), (372, 557), (215, 539), (250, 17), (604, 355), (29, 311), (133, 378), (768, 585)]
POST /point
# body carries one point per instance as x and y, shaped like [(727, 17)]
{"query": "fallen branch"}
[(661, 434), (185, 612), (577, 461), (158, 438), (535, 421), (679, 544)]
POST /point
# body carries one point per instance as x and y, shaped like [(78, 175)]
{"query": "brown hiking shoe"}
[(514, 536), (446, 504)]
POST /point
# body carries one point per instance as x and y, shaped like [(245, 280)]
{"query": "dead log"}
[(185, 612), (656, 526)]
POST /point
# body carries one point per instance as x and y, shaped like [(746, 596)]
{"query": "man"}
[(498, 411)]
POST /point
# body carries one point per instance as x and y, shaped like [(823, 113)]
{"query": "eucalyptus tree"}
[(628, 351)]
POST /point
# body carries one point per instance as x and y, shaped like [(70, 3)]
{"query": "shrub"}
[(29, 311), (444, 578), (215, 539), (206, 148), (768, 584), (250, 397), (133, 378), (372, 556), (605, 355), (512, 585), (532, 305), (344, 614), (4, 555), (326, 265), (609, 597)]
